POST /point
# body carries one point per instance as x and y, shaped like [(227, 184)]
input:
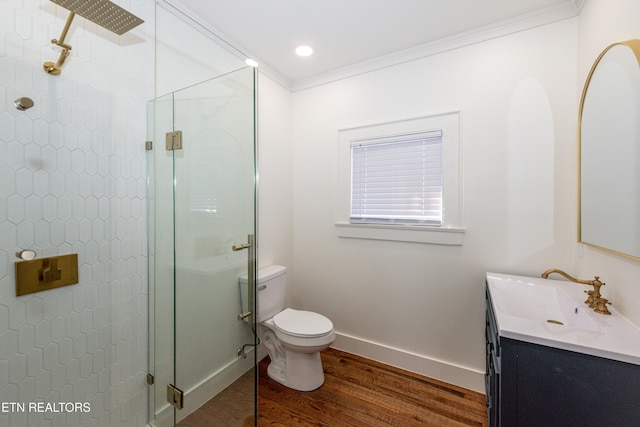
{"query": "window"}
[(401, 181), (397, 179)]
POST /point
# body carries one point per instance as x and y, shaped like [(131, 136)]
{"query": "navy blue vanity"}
[(538, 384)]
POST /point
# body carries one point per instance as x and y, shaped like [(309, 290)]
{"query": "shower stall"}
[(75, 179), (202, 222)]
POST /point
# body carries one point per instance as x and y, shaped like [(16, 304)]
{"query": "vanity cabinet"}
[(535, 385)]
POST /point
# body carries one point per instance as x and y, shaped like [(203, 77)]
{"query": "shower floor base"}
[(231, 407)]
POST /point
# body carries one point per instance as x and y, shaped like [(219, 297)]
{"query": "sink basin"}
[(541, 303), (553, 313)]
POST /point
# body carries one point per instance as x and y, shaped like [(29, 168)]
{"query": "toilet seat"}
[(304, 324)]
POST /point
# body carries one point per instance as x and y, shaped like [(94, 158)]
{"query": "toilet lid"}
[(302, 323)]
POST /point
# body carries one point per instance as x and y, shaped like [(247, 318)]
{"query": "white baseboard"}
[(461, 376)]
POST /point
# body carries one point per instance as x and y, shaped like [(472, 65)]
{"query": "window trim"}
[(451, 231)]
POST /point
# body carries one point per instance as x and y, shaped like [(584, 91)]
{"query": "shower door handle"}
[(251, 267), (241, 246)]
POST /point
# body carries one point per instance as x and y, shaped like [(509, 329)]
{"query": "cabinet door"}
[(492, 376), (492, 384), (509, 384), (563, 388)]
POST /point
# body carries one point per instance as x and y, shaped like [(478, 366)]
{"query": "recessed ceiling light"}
[(251, 62), (304, 51)]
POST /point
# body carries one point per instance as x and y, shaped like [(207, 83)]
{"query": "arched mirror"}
[(609, 135)]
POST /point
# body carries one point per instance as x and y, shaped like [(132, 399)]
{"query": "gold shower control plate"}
[(42, 274)]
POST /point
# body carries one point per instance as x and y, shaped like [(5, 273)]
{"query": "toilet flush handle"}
[(262, 287)]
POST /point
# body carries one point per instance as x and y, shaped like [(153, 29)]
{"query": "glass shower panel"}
[(214, 210), (204, 204)]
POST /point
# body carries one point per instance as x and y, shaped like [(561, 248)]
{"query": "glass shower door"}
[(204, 230)]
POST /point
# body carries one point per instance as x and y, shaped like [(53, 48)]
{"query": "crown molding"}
[(565, 10), (561, 11)]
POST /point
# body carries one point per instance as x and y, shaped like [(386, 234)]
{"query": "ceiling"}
[(348, 32)]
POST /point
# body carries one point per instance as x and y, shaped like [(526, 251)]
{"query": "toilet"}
[(293, 338)]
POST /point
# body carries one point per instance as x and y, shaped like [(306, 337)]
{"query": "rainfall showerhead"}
[(102, 12)]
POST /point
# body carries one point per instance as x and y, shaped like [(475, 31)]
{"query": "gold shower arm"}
[(63, 35), (56, 68)]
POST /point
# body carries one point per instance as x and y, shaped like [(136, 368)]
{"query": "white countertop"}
[(522, 314)]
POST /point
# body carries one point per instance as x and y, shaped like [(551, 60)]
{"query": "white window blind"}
[(397, 179)]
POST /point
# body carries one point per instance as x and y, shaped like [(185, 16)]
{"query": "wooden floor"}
[(356, 392)]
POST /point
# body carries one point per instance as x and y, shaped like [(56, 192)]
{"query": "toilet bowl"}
[(293, 338)]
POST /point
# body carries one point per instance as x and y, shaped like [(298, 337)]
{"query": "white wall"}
[(72, 180), (422, 306), (603, 22), (275, 214)]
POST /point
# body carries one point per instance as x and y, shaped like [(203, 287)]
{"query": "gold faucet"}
[(595, 300)]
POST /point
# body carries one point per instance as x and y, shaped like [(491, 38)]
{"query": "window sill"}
[(402, 233)]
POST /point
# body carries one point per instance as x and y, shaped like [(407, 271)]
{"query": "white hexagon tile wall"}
[(72, 180)]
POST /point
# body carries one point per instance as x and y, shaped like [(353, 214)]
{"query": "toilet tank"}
[(272, 284)]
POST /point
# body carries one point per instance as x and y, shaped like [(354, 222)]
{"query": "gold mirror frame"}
[(634, 45)]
